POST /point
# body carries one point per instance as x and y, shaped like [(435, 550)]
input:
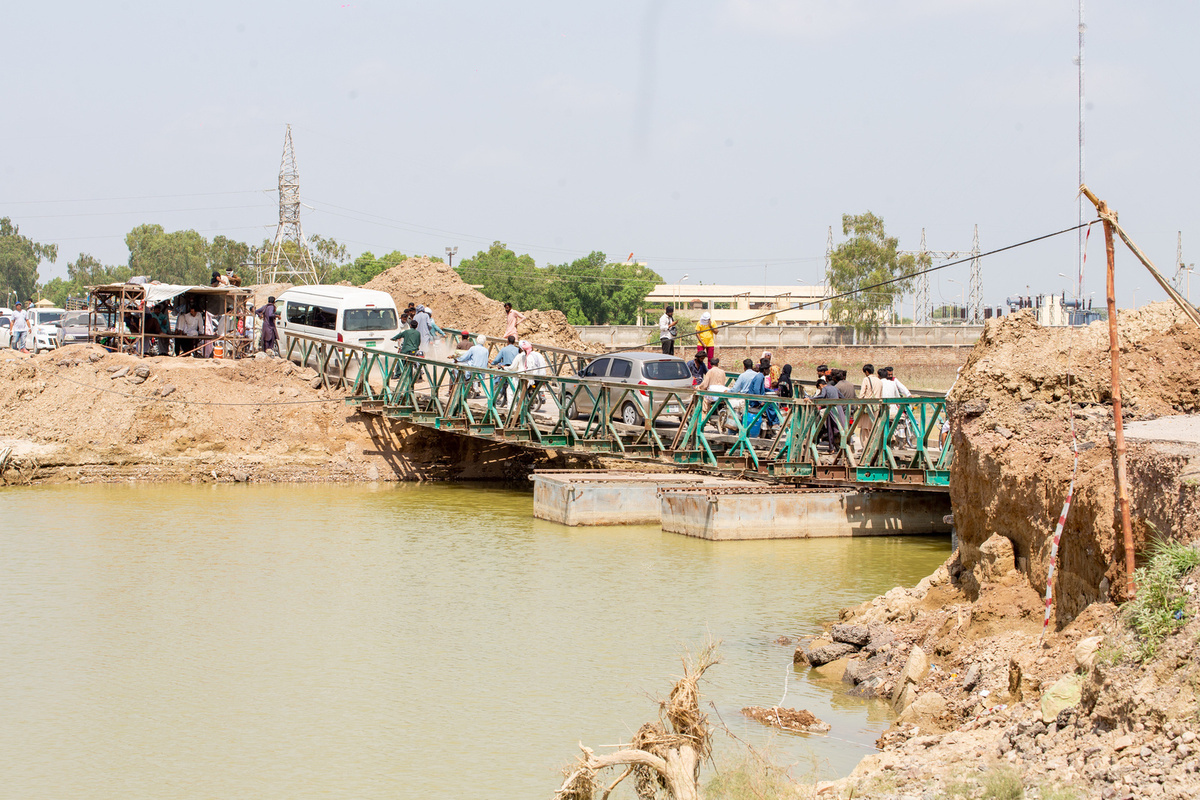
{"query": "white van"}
[(339, 315)]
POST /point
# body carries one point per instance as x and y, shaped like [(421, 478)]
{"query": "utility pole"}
[(1180, 268), (296, 266), (828, 269), (975, 314), (450, 253)]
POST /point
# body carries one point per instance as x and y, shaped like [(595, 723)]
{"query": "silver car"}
[(74, 328), (640, 369)]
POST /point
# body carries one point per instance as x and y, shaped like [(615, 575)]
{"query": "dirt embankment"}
[(456, 304), (982, 700), (977, 685), (82, 414), (1012, 445)]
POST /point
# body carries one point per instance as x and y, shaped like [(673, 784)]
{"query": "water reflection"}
[(412, 641)]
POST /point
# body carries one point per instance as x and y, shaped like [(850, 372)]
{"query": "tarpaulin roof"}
[(158, 292)]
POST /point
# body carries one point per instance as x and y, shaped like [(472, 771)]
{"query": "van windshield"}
[(369, 319)]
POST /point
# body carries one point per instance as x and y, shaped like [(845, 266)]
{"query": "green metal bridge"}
[(882, 444)]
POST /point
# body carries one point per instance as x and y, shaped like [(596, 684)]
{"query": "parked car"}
[(639, 368), (44, 328), (74, 328)]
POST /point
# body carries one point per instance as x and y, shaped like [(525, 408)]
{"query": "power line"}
[(864, 289), (121, 213), (136, 197)]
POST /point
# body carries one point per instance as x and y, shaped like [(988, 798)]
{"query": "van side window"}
[(323, 317), (297, 313), (620, 368)]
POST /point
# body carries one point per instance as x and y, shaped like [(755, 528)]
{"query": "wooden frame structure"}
[(118, 315)]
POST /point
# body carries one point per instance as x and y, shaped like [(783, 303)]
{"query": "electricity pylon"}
[(291, 264)]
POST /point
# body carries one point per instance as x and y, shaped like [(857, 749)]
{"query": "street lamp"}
[(677, 285), (450, 253), (964, 292)]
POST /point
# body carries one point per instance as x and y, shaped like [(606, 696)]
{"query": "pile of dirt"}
[(981, 698), (83, 414), (456, 304), (1011, 434)]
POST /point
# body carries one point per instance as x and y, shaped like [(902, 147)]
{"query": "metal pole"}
[(1118, 417)]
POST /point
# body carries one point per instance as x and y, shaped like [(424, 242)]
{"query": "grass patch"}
[(1003, 784), (751, 777), (1159, 609), (1059, 793)]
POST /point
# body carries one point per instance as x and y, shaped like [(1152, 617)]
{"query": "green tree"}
[(869, 257), (19, 260), (83, 272), (177, 257), (591, 291), (506, 277), (328, 257), (225, 254)]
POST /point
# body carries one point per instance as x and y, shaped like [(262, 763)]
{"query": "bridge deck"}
[(891, 444)]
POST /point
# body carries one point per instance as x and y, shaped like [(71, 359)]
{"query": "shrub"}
[(1159, 608)]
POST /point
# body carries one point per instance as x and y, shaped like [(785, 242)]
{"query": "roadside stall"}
[(145, 319)]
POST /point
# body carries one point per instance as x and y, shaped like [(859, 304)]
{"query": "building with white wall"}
[(739, 303)]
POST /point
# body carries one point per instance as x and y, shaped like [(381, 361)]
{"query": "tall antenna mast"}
[(975, 295), (1082, 234), (291, 264)]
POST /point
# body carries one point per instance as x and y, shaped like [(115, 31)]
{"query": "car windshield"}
[(44, 317), (369, 319), (665, 370), (76, 318)]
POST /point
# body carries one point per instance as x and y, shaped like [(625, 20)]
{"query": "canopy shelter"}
[(142, 319)]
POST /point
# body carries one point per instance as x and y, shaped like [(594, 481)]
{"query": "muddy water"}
[(347, 641)]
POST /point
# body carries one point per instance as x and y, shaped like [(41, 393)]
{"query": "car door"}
[(621, 371), (583, 397)]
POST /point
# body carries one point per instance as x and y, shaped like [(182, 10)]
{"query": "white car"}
[(43, 334)]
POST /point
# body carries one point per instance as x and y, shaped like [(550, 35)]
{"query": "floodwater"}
[(315, 641)]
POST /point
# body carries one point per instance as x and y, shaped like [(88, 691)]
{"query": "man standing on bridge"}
[(504, 360), (667, 331), (513, 318)]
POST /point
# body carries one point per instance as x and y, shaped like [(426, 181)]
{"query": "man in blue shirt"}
[(476, 356), (746, 379), (503, 360)]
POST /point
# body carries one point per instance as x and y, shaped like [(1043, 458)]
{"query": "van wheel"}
[(630, 415)]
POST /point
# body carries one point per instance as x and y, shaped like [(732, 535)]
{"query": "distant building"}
[(728, 303)]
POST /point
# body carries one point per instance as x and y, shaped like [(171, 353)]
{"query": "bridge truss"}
[(877, 443)]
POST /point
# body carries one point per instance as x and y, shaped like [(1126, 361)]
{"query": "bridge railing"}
[(802, 440)]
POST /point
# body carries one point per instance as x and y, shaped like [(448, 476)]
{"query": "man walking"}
[(667, 331), (20, 330), (504, 360)]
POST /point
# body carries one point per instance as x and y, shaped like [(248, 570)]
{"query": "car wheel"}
[(630, 415), (572, 412)]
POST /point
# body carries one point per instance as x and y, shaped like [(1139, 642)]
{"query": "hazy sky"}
[(716, 138)]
